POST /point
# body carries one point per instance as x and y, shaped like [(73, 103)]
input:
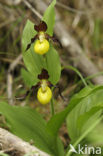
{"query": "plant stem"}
[(78, 73), (52, 107)]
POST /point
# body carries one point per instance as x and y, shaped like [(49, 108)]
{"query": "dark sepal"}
[(43, 75), (54, 39), (50, 84), (41, 27), (32, 41), (60, 93), (22, 97)]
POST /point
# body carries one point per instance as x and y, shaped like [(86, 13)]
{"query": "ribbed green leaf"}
[(53, 65), (49, 17), (33, 62), (85, 113), (28, 78), (29, 125), (56, 121), (86, 118)]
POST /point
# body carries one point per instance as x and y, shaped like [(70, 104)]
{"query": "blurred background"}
[(81, 35)]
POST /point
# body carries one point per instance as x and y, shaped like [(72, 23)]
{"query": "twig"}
[(32, 9), (8, 141), (7, 22), (11, 2), (10, 78), (10, 60), (72, 9)]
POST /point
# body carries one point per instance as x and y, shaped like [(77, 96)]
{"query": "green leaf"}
[(87, 116), (28, 78), (90, 128), (82, 120), (84, 106), (35, 62), (53, 65), (96, 136), (56, 121), (27, 124), (60, 147), (49, 17)]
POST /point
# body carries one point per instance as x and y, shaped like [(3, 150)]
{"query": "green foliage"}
[(96, 136), (85, 116), (80, 117), (53, 65), (87, 94), (29, 125), (56, 121), (49, 17), (33, 62), (28, 78), (90, 129)]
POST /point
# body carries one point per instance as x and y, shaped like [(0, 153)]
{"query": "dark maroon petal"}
[(33, 88), (41, 27), (32, 41), (43, 75), (54, 39), (49, 84)]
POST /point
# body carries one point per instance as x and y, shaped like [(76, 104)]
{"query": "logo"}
[(85, 149)]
